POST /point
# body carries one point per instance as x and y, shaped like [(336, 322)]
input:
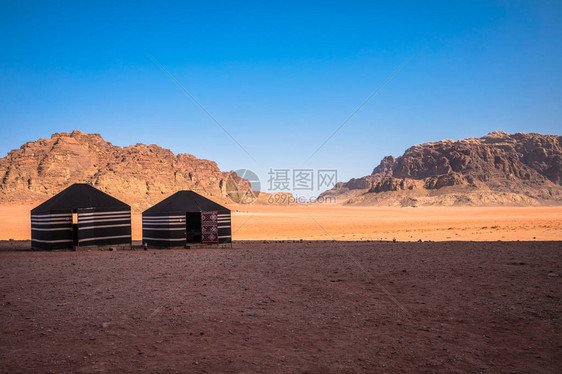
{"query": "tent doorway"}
[(193, 227)]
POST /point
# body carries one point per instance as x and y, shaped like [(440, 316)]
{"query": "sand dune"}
[(328, 222)]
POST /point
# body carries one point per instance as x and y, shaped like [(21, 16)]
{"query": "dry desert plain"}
[(316, 306), (349, 223)]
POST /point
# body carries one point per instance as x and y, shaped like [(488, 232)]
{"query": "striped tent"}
[(80, 216), (186, 218)]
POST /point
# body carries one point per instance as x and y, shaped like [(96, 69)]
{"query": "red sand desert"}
[(327, 304), (311, 307), (327, 222)]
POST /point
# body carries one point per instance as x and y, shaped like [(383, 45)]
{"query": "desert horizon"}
[(352, 223)]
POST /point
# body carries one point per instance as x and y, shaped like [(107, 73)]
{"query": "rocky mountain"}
[(497, 169), (140, 175)]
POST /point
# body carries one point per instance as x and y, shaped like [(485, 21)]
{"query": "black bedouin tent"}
[(80, 216), (185, 218)]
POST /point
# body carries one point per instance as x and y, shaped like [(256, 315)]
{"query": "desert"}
[(311, 306), (400, 280), (281, 187), (352, 223), (319, 289)]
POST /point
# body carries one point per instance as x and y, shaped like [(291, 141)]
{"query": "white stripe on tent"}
[(50, 223), (175, 222), (88, 216), (52, 241), (50, 219), (164, 223), (102, 213), (223, 214), (55, 229), (161, 217), (164, 239), (103, 227), (105, 237), (67, 222), (163, 220), (164, 228), (51, 215), (223, 227), (103, 220), (222, 237)]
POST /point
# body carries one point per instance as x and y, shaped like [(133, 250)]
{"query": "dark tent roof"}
[(79, 195), (185, 201)]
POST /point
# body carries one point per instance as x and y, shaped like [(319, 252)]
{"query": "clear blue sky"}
[(280, 77)]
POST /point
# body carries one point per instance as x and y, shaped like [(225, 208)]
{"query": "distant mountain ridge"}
[(496, 169), (140, 175)]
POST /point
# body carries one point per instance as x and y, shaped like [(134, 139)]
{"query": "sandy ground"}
[(311, 307), (321, 222)]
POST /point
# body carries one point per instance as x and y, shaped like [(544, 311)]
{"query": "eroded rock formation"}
[(498, 169), (140, 175)]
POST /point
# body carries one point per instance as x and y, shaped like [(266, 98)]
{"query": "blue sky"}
[(280, 77)]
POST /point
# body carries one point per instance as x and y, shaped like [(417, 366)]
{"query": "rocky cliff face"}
[(498, 169), (140, 175)]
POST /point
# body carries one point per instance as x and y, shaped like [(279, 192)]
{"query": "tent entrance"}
[(193, 227), (201, 227)]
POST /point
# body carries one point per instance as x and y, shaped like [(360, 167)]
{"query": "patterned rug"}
[(209, 230)]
